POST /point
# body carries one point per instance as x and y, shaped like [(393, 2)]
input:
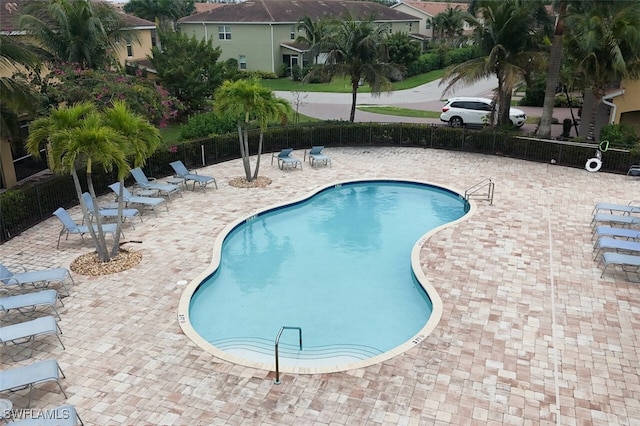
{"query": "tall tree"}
[(16, 93), (358, 49), (188, 68), (314, 31), (603, 43), (449, 25), (553, 73), (250, 103), (77, 31), (164, 13), (508, 32), (81, 136)]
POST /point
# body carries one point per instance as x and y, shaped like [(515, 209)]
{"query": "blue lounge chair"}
[(609, 244), (69, 226), (144, 182), (64, 415), (25, 332), (129, 198), (632, 207), (316, 156), (609, 231), (622, 220), (25, 377), (37, 278), (28, 302), (184, 173), (111, 213), (285, 160), (624, 260)]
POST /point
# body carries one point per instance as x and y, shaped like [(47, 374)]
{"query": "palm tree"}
[(358, 50), (449, 24), (77, 31), (508, 33), (603, 44), (16, 94), (314, 32), (75, 137), (79, 136), (163, 12), (553, 73), (249, 102), (142, 139)]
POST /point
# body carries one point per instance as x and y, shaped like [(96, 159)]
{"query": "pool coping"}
[(436, 301)]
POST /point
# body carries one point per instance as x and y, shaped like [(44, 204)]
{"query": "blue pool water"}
[(337, 265)]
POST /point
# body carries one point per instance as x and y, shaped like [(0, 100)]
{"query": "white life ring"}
[(593, 164)]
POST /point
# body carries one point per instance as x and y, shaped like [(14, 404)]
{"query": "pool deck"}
[(530, 334)]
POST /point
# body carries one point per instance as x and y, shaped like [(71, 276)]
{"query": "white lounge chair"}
[(28, 302), (613, 232), (26, 332), (25, 377), (37, 278), (64, 415)]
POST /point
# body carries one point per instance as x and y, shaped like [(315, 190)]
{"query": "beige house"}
[(621, 105), (425, 11), (261, 34), (134, 46)]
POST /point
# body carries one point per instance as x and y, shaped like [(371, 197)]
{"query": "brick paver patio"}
[(530, 332)]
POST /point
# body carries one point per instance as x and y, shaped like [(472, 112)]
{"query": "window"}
[(428, 24), (242, 62), (410, 27), (293, 32), (129, 47), (224, 32)]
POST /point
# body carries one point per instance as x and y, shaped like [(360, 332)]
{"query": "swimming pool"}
[(339, 264)]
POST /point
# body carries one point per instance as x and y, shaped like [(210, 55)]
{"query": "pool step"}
[(265, 347)]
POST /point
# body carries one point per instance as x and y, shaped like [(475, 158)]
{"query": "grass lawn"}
[(342, 84), (402, 112)]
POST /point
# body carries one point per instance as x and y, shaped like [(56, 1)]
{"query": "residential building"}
[(425, 11), (135, 45), (261, 34), (621, 105)]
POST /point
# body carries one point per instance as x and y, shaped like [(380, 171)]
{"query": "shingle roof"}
[(10, 11), (262, 11), (433, 8)]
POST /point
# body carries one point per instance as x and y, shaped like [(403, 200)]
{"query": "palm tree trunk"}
[(244, 153), (116, 239), (591, 129), (354, 95), (245, 158), (98, 238), (255, 173), (553, 75)]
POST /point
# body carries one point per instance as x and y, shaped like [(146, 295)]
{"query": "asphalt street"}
[(428, 97)]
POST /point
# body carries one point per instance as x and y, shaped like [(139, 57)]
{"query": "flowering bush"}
[(69, 83)]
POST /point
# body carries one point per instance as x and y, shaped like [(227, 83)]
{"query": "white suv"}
[(475, 111)]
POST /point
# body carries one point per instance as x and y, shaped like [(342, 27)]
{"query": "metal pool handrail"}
[(277, 380)]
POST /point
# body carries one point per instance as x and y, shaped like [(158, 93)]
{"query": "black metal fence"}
[(25, 206)]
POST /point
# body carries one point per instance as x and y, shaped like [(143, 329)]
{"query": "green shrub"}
[(561, 101), (534, 95), (619, 135), (13, 209), (207, 124)]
